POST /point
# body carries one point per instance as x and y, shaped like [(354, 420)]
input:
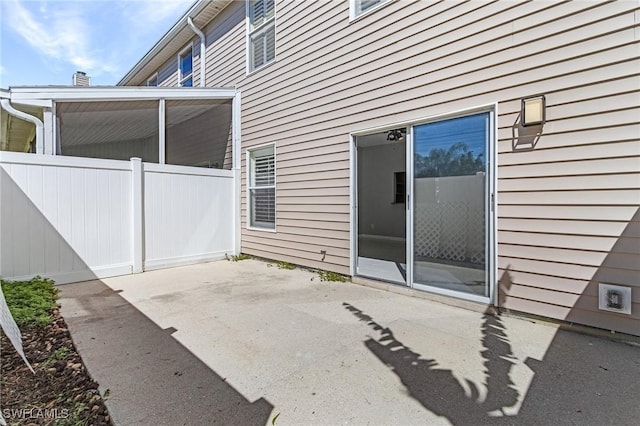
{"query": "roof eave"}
[(195, 9)]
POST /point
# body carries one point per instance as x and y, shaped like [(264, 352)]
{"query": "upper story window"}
[(153, 81), (358, 7), (261, 32), (185, 67)]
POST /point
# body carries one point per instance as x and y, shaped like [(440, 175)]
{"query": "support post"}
[(237, 171), (137, 206), (162, 132), (49, 140)]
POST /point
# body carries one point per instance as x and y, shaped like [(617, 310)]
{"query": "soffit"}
[(16, 133)]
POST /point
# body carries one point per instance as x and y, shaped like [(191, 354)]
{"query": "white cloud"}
[(158, 11), (145, 15), (62, 34), (100, 37)]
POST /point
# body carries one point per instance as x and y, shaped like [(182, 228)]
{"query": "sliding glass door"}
[(451, 210)]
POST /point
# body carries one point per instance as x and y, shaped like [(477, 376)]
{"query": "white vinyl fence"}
[(74, 219)]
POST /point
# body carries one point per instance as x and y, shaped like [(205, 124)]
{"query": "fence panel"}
[(65, 218), (188, 215)]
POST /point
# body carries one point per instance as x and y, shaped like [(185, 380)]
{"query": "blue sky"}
[(43, 42)]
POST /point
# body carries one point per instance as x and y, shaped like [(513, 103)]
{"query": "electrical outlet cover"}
[(614, 298)]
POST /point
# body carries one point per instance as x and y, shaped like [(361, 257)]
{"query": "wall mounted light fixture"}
[(533, 110)]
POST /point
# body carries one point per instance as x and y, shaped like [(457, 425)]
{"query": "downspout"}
[(203, 49), (27, 117)]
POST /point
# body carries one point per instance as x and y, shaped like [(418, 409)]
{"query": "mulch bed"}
[(60, 393)]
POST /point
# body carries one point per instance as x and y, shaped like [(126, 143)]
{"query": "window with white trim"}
[(261, 32), (262, 187), (185, 67), (153, 81), (358, 7)]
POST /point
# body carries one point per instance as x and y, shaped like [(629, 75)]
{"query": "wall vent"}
[(614, 298)]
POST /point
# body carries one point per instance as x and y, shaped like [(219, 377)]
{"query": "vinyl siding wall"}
[(567, 207)]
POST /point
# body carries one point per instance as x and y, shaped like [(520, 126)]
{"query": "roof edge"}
[(197, 7)]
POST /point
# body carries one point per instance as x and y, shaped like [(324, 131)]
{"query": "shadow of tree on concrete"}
[(582, 379), (437, 389)]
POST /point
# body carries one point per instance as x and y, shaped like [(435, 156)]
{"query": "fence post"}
[(137, 214)]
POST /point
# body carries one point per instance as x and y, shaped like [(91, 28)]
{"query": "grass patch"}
[(31, 302), (330, 276), (286, 265), (236, 258)]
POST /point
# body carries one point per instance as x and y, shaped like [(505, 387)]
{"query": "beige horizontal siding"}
[(600, 319), (612, 181), (297, 258), (578, 167), (590, 136), (567, 270), (598, 226), (611, 214), (384, 61), (226, 47), (593, 244), (567, 207)]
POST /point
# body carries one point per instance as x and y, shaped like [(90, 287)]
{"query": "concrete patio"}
[(243, 342)]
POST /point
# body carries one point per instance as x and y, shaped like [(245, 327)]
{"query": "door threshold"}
[(403, 289), (384, 270)]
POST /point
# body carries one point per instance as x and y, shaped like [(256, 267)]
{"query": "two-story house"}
[(480, 151)]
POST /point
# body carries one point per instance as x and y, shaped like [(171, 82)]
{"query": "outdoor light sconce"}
[(533, 110)]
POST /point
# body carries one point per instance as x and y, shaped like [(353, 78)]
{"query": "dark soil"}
[(60, 393)]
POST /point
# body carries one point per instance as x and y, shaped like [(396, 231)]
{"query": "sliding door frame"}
[(491, 222)]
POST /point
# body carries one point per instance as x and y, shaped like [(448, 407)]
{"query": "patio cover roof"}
[(17, 133), (44, 95)]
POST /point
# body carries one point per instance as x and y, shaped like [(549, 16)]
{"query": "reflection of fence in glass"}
[(450, 219)]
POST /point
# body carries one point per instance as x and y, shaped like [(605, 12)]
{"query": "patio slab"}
[(243, 342)]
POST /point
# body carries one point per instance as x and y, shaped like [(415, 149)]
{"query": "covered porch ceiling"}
[(116, 113)]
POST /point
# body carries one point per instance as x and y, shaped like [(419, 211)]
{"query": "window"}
[(153, 81), (262, 187), (358, 7), (185, 67), (262, 32)]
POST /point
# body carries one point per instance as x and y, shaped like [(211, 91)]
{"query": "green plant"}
[(58, 355), (286, 265), (236, 258), (61, 353), (31, 302), (273, 421), (330, 276)]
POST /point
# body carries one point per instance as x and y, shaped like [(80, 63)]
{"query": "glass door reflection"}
[(450, 217)]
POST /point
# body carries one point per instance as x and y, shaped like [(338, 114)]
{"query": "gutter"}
[(203, 49), (6, 105)]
